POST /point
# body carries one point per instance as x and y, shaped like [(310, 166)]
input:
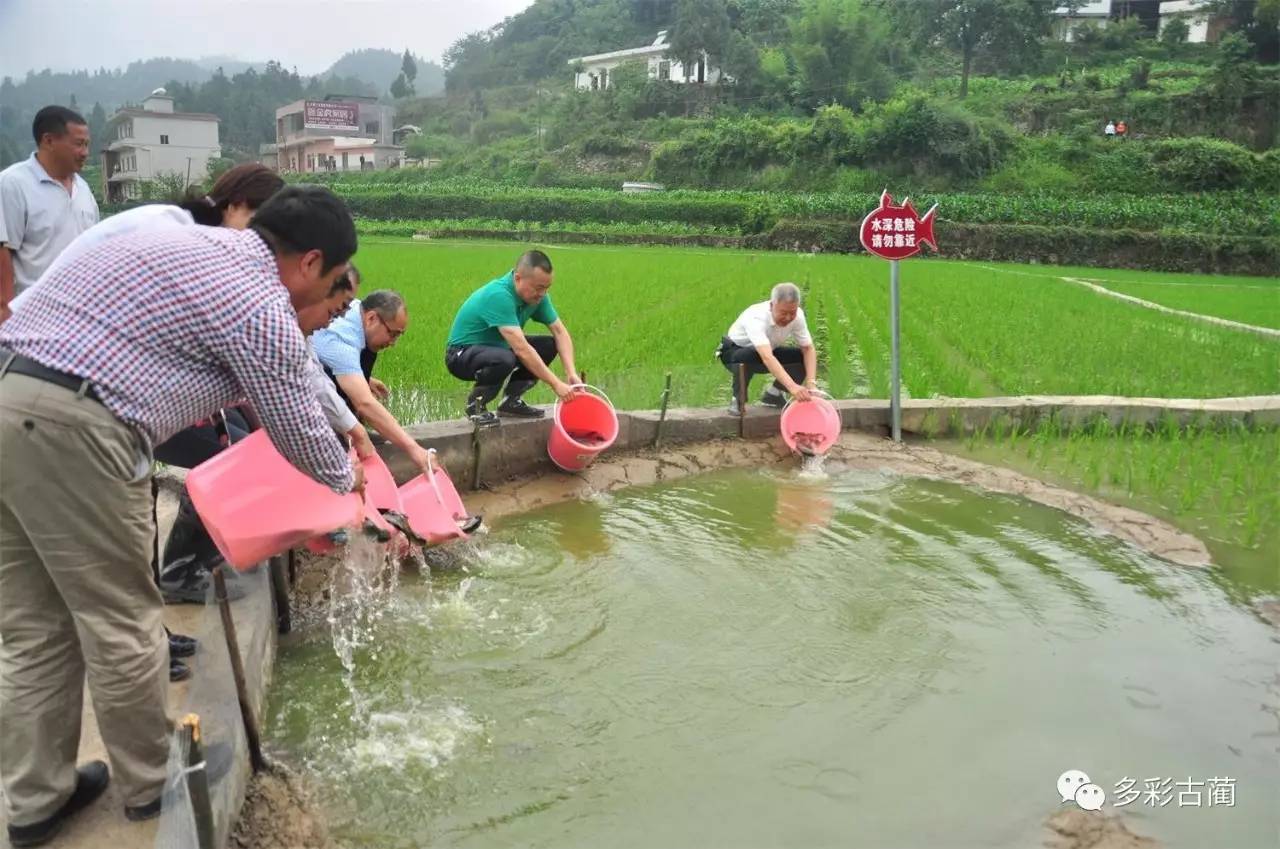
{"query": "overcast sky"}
[(310, 34)]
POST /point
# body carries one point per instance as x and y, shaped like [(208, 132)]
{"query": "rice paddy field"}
[(968, 330)]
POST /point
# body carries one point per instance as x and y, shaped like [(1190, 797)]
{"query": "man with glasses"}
[(348, 349), (487, 343)]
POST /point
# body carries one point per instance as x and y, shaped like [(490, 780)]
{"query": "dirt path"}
[(1152, 305)]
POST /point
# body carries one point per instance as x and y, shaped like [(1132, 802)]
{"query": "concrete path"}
[(103, 824)]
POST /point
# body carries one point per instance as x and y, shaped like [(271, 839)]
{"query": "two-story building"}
[(339, 133), (152, 141), (593, 73)]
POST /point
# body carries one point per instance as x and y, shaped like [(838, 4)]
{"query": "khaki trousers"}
[(76, 597)]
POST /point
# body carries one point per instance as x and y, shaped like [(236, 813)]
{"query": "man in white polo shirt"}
[(758, 340), (44, 202)]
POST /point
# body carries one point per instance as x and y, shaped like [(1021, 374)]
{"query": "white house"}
[(1202, 26), (594, 72), (1152, 14), (153, 141)]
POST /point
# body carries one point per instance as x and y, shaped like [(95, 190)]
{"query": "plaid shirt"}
[(170, 325)]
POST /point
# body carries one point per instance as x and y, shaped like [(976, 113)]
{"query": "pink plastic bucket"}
[(433, 507), (255, 504), (380, 491), (810, 427), (581, 429)]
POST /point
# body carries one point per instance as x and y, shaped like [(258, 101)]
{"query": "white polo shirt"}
[(39, 218), (755, 327)]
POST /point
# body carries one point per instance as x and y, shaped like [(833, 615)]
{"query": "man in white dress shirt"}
[(44, 202), (759, 340)]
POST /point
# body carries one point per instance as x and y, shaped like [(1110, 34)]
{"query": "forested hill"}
[(381, 67)]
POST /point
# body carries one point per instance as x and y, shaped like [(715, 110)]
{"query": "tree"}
[(408, 71), (399, 88), (841, 50), (1175, 32), (98, 126), (9, 151), (1257, 20), (702, 28), (1007, 32)]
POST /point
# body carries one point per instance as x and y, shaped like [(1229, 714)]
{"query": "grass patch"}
[(1216, 482)]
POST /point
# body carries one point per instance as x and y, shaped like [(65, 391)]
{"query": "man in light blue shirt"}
[(348, 349), (44, 202)]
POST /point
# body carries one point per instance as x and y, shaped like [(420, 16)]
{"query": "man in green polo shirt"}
[(487, 344)]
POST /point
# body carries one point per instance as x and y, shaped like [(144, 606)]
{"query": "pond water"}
[(770, 659)]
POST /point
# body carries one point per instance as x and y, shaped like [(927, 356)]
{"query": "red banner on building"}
[(327, 115)]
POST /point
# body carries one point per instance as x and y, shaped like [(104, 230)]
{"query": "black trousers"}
[(732, 355), (489, 366), (188, 448)]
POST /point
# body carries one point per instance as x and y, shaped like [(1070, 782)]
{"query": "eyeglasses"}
[(392, 332)]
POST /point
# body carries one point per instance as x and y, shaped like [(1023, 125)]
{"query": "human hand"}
[(358, 471), (424, 459), (572, 378), (801, 393), (361, 442), (564, 391), (379, 389)]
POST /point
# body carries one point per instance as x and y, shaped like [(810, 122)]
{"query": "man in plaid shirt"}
[(111, 355)]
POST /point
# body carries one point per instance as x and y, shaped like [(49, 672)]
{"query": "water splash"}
[(429, 735), (361, 588), (813, 466)]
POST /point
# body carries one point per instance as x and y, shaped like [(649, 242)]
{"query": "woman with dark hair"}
[(234, 198)]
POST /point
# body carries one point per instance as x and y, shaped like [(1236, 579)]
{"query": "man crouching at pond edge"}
[(487, 343), (756, 341)]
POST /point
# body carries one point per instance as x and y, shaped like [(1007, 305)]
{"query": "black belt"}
[(11, 363)]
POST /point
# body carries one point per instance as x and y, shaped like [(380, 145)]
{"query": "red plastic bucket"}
[(433, 507), (255, 504), (810, 427), (581, 429), (380, 491)]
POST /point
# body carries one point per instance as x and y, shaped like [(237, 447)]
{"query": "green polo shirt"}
[(495, 305)]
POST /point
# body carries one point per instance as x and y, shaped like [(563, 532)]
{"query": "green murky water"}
[(766, 660)]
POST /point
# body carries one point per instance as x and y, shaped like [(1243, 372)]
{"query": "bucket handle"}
[(589, 388), (791, 399), (431, 475)]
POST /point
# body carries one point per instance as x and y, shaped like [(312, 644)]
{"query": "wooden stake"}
[(280, 590), (662, 415), (475, 457), (197, 777), (252, 737)]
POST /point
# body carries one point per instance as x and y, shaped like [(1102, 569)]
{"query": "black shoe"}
[(178, 671), (138, 813), (187, 580), (519, 409), (773, 397), (479, 415), (91, 780), (180, 645)]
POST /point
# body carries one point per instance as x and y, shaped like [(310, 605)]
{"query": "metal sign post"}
[(895, 233), (895, 357)]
